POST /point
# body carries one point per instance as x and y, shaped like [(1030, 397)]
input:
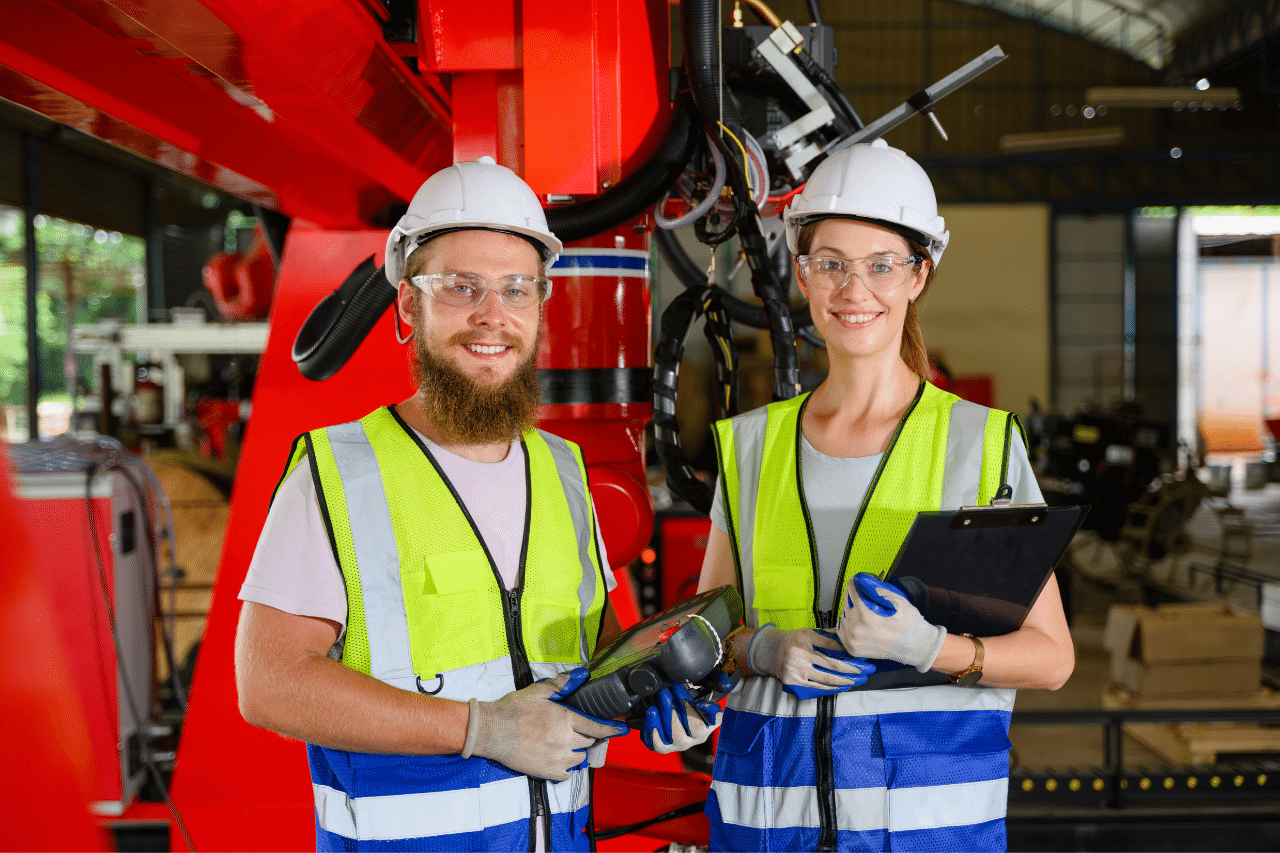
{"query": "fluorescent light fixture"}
[(1161, 96), (1061, 140), (1227, 225)]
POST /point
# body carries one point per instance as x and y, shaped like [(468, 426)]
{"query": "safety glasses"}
[(467, 290), (880, 273)]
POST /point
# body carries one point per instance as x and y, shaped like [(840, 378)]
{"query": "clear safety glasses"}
[(467, 290), (880, 273)]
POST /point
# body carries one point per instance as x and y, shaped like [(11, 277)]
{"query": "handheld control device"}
[(682, 644)]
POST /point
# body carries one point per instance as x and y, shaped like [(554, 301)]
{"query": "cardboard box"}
[(1184, 649)]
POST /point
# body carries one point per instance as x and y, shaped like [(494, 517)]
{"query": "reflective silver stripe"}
[(377, 556), (484, 681), (767, 808), (748, 449), (866, 809), (941, 806), (422, 815), (487, 681), (761, 695), (965, 438), (575, 492)]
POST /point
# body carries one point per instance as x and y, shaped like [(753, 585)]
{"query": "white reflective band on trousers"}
[(439, 812)]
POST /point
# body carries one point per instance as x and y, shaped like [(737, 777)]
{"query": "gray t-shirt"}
[(834, 488)]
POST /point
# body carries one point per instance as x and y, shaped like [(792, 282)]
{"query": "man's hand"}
[(531, 733), (877, 621), (676, 720), (796, 658)]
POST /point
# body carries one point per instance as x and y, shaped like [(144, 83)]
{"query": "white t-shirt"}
[(293, 568)]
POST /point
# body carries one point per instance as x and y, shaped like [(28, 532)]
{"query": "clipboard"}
[(978, 570)]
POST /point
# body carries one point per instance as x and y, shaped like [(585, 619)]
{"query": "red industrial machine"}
[(332, 112), (92, 545)]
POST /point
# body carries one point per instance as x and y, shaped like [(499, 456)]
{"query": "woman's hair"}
[(913, 350)]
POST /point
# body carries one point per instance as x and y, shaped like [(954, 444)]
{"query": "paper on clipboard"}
[(978, 570)]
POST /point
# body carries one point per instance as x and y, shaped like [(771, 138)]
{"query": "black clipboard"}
[(978, 570)]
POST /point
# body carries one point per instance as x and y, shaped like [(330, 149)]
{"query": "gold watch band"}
[(973, 673)]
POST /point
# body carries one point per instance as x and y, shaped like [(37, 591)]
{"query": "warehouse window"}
[(13, 325), (1236, 293), (87, 275)]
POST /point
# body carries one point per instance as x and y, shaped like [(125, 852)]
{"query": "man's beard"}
[(467, 412)]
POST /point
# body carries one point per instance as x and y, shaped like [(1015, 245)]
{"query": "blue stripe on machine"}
[(602, 261)]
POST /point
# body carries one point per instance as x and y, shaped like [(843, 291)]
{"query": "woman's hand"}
[(796, 658), (877, 621)]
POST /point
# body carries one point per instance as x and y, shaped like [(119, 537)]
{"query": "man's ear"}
[(406, 296)]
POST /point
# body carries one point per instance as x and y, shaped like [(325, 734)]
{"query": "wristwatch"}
[(972, 675)]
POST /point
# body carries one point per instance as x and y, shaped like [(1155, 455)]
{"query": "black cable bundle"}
[(700, 28)]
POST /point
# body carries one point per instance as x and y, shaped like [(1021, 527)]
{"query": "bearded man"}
[(431, 578)]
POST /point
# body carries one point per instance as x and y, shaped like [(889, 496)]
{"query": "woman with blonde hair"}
[(819, 489)]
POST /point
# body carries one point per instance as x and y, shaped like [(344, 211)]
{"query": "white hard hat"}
[(473, 195), (876, 183)]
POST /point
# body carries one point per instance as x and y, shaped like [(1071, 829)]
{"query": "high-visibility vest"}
[(427, 613), (916, 767), (944, 452)]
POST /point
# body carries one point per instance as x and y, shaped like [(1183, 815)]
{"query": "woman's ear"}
[(919, 281)]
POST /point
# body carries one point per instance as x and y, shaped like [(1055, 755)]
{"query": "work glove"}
[(877, 621), (809, 663), (531, 733), (675, 720)]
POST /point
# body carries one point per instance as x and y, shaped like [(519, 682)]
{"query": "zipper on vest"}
[(827, 835), (523, 674), (521, 671)]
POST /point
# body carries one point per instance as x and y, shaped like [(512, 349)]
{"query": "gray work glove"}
[(529, 732), (877, 621), (795, 658)]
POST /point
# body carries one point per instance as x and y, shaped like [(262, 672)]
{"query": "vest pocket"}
[(449, 602), (740, 731), (552, 628), (780, 599)]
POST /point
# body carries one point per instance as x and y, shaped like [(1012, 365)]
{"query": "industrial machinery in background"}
[(577, 99), (1123, 466), (102, 535)]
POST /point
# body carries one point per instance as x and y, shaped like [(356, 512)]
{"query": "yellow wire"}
[(745, 167)]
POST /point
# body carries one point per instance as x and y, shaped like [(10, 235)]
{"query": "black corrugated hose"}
[(739, 310), (673, 329), (340, 322), (637, 192), (700, 28)]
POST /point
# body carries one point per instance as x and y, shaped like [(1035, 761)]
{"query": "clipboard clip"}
[(1003, 495)]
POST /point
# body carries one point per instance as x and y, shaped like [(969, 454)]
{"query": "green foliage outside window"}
[(99, 271)]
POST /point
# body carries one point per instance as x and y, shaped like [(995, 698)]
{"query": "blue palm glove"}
[(878, 621), (809, 663), (865, 668), (578, 677), (676, 720)]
